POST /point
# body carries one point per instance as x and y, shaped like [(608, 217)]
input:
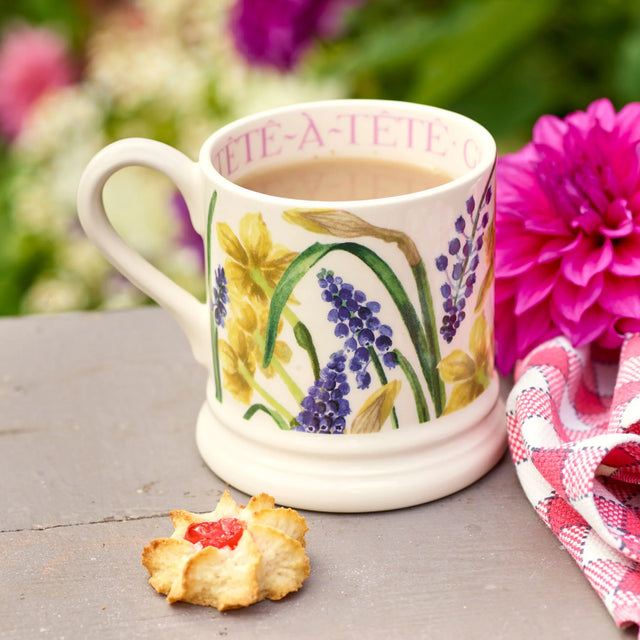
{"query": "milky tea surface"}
[(331, 179)]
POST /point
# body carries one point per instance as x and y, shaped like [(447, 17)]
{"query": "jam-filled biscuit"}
[(231, 557)]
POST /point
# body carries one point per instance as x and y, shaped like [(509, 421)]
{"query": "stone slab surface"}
[(97, 415)]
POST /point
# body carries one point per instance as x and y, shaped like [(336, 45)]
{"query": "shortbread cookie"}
[(231, 557)]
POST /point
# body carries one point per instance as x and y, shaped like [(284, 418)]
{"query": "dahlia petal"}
[(547, 225), (623, 326), (505, 334), (580, 120), (549, 130), (588, 220), (604, 112), (513, 171), (620, 328), (533, 327), (505, 289), (563, 196), (572, 301), (617, 219), (628, 122), (626, 259), (630, 170), (534, 286), (621, 296), (515, 258), (586, 260), (556, 248), (593, 323)]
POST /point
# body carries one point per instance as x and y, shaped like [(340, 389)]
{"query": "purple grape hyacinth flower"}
[(325, 407), (220, 297), (358, 324), (460, 262)]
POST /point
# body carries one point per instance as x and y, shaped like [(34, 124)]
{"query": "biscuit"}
[(241, 555)]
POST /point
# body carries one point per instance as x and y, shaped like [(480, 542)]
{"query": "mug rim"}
[(470, 176)]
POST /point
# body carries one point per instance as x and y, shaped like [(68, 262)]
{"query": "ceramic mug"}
[(349, 344)]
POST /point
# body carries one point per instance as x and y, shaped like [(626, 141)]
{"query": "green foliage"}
[(22, 255), (502, 62), (69, 17)]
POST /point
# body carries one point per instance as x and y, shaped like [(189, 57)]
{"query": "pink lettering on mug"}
[(353, 138), (471, 153), (434, 143), (269, 145), (410, 128), (381, 130), (311, 134), (226, 158)]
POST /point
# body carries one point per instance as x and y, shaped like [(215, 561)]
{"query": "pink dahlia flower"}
[(568, 233), (276, 32), (32, 62)]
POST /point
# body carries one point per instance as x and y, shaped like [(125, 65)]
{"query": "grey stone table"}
[(97, 415)]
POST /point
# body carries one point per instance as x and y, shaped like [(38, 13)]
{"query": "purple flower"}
[(325, 407), (220, 297), (358, 324), (463, 259), (276, 32), (568, 233), (188, 236)]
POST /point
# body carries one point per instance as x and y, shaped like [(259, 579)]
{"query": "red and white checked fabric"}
[(574, 435)]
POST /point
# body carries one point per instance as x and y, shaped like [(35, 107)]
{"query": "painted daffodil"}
[(238, 363), (470, 373), (254, 264)]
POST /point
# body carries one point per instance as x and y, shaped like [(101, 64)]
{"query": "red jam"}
[(225, 532)]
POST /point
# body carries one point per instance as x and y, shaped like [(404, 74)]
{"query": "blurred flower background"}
[(78, 74)]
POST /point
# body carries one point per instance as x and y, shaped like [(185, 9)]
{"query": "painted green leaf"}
[(214, 329), (304, 339), (277, 418)]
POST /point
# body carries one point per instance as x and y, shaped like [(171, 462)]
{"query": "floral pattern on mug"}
[(470, 373), (460, 262), (370, 362)]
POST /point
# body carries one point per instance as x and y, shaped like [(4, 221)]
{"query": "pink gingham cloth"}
[(574, 435)]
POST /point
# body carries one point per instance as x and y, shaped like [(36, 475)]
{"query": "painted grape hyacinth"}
[(358, 324), (325, 407), (460, 262), (220, 297)]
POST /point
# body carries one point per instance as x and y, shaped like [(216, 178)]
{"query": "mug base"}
[(361, 473)]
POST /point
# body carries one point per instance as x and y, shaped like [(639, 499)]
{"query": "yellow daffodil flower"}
[(252, 319), (470, 374), (238, 363), (376, 409), (254, 264)]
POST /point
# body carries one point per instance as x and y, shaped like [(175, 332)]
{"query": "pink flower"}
[(32, 62), (276, 32), (568, 233)]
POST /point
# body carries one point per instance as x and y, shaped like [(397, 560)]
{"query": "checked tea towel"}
[(574, 435)]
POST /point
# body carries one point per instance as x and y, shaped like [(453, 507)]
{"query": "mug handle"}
[(189, 312)]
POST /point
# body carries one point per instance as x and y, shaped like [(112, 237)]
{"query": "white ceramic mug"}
[(349, 344)]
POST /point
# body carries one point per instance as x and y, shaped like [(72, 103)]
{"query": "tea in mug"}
[(331, 179)]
